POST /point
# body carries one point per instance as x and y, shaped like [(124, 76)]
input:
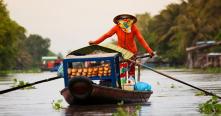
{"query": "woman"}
[(126, 30)]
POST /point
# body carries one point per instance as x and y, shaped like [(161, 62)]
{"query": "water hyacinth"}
[(212, 106), (121, 111), (57, 105), (200, 93), (18, 83)]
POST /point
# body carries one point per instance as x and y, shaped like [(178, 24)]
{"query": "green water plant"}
[(212, 106), (200, 93), (172, 86), (57, 104), (123, 111), (18, 83)]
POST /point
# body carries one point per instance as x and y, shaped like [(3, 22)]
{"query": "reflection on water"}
[(107, 110), (168, 98)]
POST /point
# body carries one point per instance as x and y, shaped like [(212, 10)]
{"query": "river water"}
[(169, 98)]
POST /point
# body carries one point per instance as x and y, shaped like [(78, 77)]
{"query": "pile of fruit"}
[(103, 70)]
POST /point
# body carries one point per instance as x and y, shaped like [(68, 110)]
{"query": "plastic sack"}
[(131, 81), (142, 86), (60, 71)]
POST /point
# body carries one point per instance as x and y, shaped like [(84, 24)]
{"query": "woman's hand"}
[(91, 43), (151, 55)]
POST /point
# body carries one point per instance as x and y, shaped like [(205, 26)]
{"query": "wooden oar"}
[(29, 84), (142, 56), (206, 92)]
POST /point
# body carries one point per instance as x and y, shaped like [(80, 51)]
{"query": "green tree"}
[(143, 23), (10, 35), (181, 25), (16, 50), (37, 47)]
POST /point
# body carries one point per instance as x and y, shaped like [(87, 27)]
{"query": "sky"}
[(71, 24)]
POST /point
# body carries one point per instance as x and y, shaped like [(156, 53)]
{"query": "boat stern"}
[(67, 95)]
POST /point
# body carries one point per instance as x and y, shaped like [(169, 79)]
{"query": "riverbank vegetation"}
[(19, 51), (181, 25), (213, 70), (169, 33), (29, 70)]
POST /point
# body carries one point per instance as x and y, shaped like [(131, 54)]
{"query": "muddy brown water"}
[(169, 97)]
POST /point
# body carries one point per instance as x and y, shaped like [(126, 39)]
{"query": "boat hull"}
[(105, 95)]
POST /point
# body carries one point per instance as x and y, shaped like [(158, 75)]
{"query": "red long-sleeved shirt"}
[(126, 40)]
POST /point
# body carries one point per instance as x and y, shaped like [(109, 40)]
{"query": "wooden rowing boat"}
[(79, 79)]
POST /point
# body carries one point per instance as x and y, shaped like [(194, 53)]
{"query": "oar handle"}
[(29, 84), (206, 92), (143, 56)]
